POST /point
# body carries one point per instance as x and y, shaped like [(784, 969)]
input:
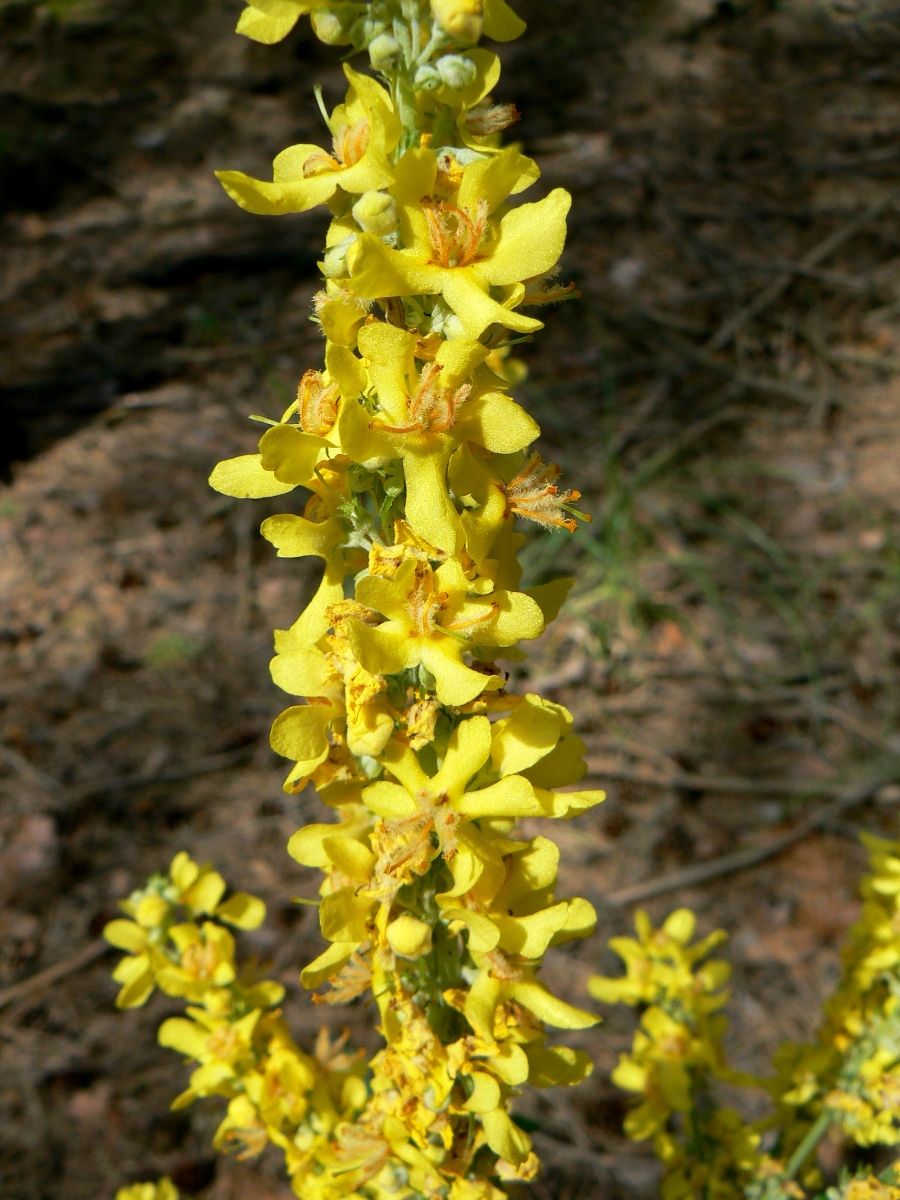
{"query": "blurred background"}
[(725, 393)]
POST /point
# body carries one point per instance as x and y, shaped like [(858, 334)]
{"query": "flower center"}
[(349, 143), (199, 960), (423, 604), (455, 235), (433, 408)]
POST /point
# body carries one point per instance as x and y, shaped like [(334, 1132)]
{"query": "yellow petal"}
[(327, 965), (524, 737), (429, 509), (350, 856), (483, 932), (383, 651), (481, 1004), (274, 199), (530, 936), (532, 237), (568, 804), (455, 683), (376, 270), (505, 1137), (243, 911), (300, 732), (402, 763), (500, 22), (205, 893), (499, 424), (485, 1094), (245, 478), (581, 921), (557, 1066), (467, 296), (268, 27), (389, 800), (549, 1008), (343, 916), (511, 797), (467, 751), (187, 1037), (307, 845), (290, 454), (295, 537), (550, 596), (516, 618), (493, 179), (125, 935)]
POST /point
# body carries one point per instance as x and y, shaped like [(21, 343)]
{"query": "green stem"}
[(811, 1139)]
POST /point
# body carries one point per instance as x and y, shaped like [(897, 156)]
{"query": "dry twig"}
[(751, 856), (35, 984)]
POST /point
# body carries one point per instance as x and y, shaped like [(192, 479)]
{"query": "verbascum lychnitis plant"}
[(846, 1083), (410, 470)]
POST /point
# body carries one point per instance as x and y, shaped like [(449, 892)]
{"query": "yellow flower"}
[(432, 618), (199, 890), (204, 960), (268, 21), (364, 132), (421, 807), (224, 1049), (454, 249), (421, 417), (295, 454), (520, 917), (662, 967)]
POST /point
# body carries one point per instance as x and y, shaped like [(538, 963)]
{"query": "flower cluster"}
[(852, 1070), (676, 1057), (164, 1189), (848, 1079), (414, 466), (178, 941)]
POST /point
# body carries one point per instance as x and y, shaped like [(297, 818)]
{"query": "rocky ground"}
[(726, 393)]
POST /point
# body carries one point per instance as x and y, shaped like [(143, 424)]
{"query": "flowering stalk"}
[(847, 1080), (416, 464)]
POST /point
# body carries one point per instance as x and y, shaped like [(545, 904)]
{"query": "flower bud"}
[(329, 27), (376, 212), (384, 51), (334, 261), (427, 78), (456, 71), (408, 936), (462, 19)]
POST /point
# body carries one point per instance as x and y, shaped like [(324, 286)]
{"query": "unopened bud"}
[(329, 27), (456, 71), (408, 936), (334, 261), (427, 78), (384, 51), (376, 212), (462, 19)]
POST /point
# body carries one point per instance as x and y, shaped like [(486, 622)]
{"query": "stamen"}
[(433, 408), (350, 143), (454, 234), (317, 403), (533, 494)]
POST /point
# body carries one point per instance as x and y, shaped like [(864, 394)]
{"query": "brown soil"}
[(726, 394)]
